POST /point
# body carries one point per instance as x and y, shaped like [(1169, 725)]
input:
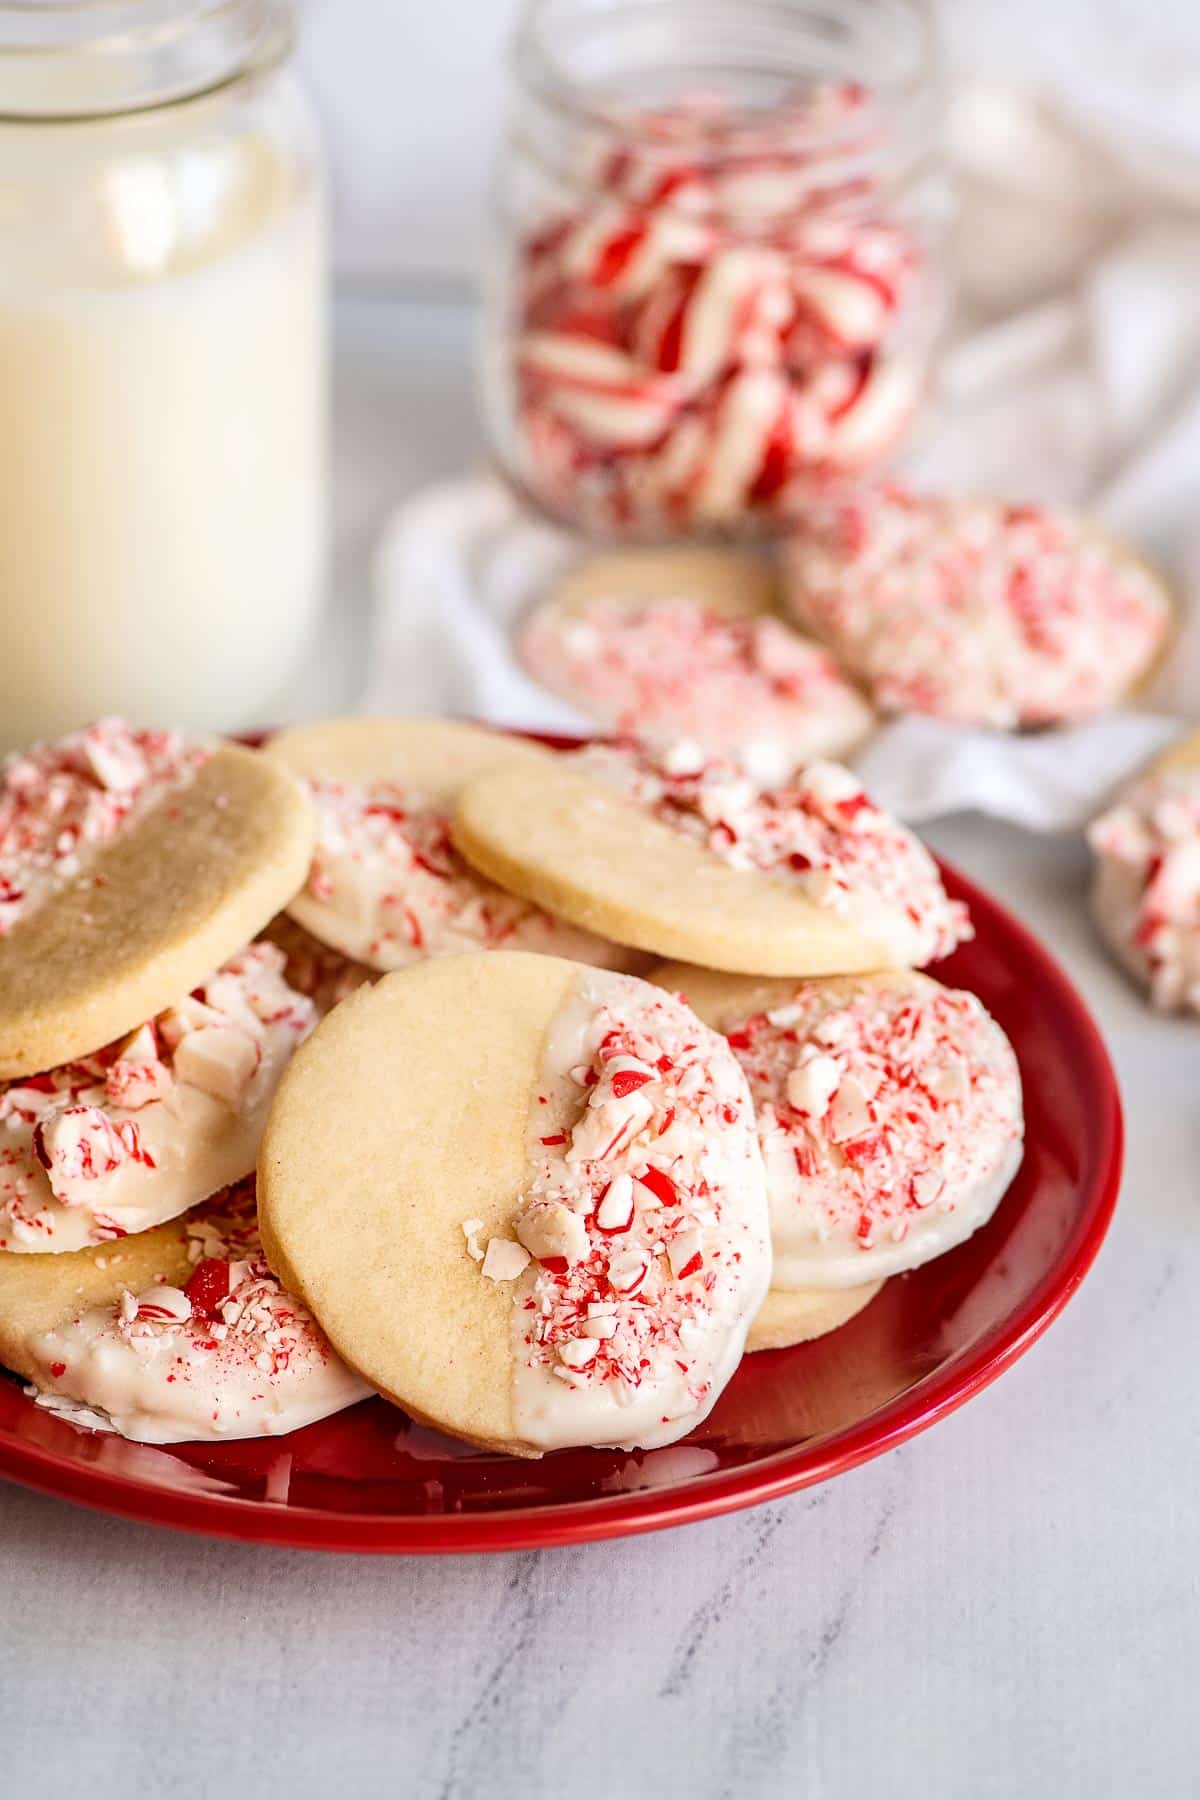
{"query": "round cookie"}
[(1146, 884), (222, 1351), (139, 1131), (636, 644), (889, 1113), (696, 859), (130, 867), (978, 611), (524, 1198), (387, 887)]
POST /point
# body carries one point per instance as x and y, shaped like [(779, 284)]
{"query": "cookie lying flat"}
[(136, 1133), (889, 1113), (1146, 885), (525, 1199), (695, 858), (386, 886), (978, 611), (131, 866), (660, 660), (177, 1335), (799, 1315)]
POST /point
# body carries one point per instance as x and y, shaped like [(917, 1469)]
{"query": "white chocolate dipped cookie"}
[(387, 887), (525, 1199), (675, 644), (697, 858), (134, 1134), (131, 866), (178, 1335), (978, 611), (890, 1116), (1146, 882)]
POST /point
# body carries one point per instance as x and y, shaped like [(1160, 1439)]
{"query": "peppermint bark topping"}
[(974, 610), (1148, 884), (816, 827), (875, 1106), (78, 1143), (59, 802), (641, 1237), (672, 668), (386, 869)]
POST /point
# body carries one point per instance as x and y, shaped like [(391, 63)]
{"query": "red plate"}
[(370, 1480)]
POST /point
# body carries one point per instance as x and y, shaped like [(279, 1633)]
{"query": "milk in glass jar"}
[(162, 363)]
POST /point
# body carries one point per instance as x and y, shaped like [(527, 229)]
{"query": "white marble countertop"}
[(1008, 1606)]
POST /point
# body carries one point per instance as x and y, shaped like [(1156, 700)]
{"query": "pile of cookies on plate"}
[(526, 1088)]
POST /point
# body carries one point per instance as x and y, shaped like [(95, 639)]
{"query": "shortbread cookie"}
[(724, 582), (131, 866), (525, 1199), (889, 1112), (136, 1133), (978, 611), (677, 667), (797, 1317), (1146, 886), (386, 886), (695, 857), (175, 1336)]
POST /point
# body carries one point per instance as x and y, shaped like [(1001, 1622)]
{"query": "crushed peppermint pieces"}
[(977, 611), (1147, 889)]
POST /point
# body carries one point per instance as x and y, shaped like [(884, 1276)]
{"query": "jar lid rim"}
[(89, 59)]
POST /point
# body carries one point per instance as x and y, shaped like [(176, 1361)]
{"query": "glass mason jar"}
[(163, 363), (715, 284)]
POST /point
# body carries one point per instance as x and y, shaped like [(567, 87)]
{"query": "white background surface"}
[(1006, 1608)]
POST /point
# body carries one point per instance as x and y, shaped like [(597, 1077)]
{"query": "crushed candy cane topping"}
[(142, 1129), (816, 827), (226, 1353), (673, 668), (645, 1221), (974, 610), (60, 802), (390, 888), (1147, 887), (889, 1116)]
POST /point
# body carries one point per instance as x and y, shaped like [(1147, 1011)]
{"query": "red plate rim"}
[(574, 1522)]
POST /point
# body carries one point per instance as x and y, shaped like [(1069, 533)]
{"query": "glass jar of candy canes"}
[(714, 286)]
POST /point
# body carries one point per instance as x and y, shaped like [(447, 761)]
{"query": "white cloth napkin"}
[(1075, 378)]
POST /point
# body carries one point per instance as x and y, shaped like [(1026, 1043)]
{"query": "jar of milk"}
[(163, 363)]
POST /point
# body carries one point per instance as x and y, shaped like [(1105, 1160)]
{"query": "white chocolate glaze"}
[(1146, 889)]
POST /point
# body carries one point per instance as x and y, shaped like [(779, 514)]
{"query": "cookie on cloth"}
[(131, 866), (890, 1116), (975, 610), (136, 1133), (524, 1197), (673, 644), (697, 858), (176, 1335), (1146, 882), (387, 886)]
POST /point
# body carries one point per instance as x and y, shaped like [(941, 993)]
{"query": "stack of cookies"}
[(624, 1068)]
